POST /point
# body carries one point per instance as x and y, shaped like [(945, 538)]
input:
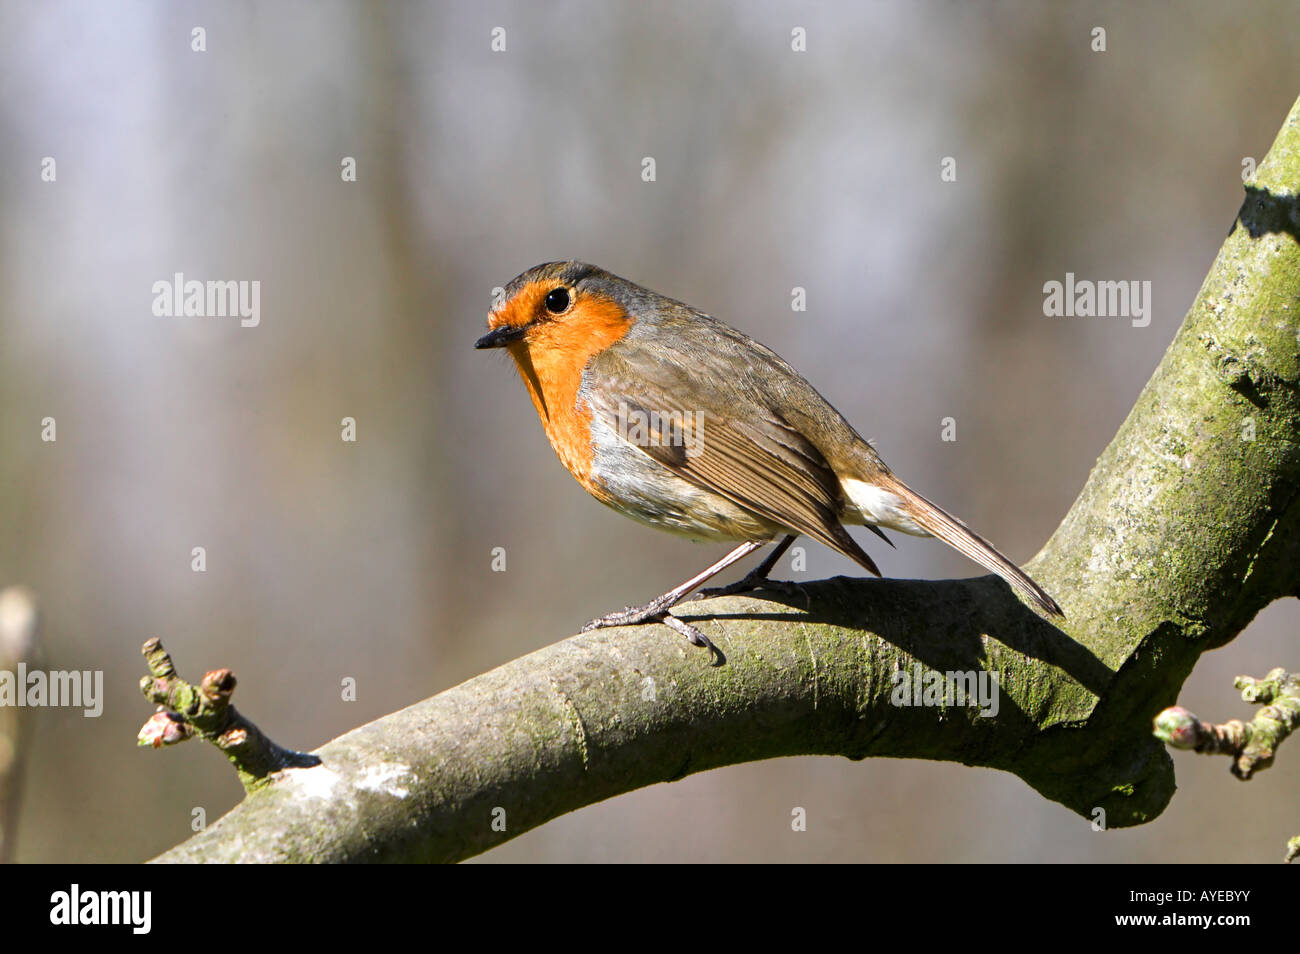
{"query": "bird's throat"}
[(551, 361)]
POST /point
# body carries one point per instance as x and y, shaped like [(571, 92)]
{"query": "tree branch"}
[(186, 710), (1252, 745), (1186, 528), (19, 632)]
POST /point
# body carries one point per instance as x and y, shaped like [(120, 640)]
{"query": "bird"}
[(677, 420)]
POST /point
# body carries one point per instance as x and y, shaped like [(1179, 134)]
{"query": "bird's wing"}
[(734, 443)]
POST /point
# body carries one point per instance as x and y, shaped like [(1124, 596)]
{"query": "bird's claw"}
[(694, 637), (636, 615)]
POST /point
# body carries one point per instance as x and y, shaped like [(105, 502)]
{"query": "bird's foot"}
[(654, 612), (631, 616)]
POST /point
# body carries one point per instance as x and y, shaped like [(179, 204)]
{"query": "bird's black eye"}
[(557, 301)]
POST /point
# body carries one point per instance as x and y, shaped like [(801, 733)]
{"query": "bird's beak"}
[(500, 337)]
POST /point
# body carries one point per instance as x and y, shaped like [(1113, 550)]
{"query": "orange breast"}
[(551, 361)]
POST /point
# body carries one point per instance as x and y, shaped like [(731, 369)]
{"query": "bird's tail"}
[(912, 513)]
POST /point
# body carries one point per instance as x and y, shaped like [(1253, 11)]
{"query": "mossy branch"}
[(185, 710), (1186, 528), (1252, 744)]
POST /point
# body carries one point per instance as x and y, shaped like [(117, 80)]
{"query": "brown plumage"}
[(684, 423)]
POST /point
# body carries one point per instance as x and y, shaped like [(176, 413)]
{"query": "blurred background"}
[(773, 169)]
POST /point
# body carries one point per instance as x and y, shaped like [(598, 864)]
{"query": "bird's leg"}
[(757, 579), (660, 605), (657, 609)]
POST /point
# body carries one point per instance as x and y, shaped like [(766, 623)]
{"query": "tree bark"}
[(1186, 528)]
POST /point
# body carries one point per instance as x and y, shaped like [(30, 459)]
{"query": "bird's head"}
[(560, 306)]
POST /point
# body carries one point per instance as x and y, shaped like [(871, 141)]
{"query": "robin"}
[(673, 418)]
